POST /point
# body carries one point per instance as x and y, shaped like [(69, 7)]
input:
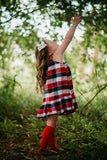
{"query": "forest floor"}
[(20, 150), (21, 141), (24, 148), (15, 150)]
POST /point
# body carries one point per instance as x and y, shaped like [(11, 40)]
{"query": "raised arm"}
[(77, 19)]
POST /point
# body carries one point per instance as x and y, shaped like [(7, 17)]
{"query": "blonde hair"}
[(42, 63)]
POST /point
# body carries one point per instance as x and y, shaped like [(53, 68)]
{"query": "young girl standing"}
[(55, 81)]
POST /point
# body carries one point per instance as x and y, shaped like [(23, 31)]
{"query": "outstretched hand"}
[(77, 19)]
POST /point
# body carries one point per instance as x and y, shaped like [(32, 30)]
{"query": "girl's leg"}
[(48, 131), (52, 120)]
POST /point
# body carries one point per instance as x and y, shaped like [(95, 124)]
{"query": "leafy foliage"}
[(62, 10)]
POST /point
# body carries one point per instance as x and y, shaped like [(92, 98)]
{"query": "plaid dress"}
[(59, 95)]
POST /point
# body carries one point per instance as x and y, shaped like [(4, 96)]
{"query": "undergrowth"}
[(81, 134)]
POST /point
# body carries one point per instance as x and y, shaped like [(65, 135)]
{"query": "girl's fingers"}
[(75, 15)]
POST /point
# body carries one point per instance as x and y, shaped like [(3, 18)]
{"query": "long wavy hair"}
[(42, 63)]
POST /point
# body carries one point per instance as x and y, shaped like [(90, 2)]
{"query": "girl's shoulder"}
[(55, 62), (58, 58)]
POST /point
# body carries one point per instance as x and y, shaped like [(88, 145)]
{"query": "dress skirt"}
[(58, 95)]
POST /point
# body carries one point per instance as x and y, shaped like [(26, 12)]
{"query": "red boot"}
[(52, 143), (46, 136)]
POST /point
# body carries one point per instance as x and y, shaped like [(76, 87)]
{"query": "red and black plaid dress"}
[(59, 95)]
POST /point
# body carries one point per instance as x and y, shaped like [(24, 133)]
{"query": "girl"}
[(55, 81)]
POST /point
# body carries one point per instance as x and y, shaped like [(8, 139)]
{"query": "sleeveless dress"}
[(58, 95)]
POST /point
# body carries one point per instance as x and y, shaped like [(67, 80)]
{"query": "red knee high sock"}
[(46, 136), (52, 141)]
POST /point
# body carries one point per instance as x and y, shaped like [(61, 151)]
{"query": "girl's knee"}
[(52, 120)]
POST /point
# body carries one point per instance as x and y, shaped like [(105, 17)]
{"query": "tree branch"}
[(16, 14), (93, 97)]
